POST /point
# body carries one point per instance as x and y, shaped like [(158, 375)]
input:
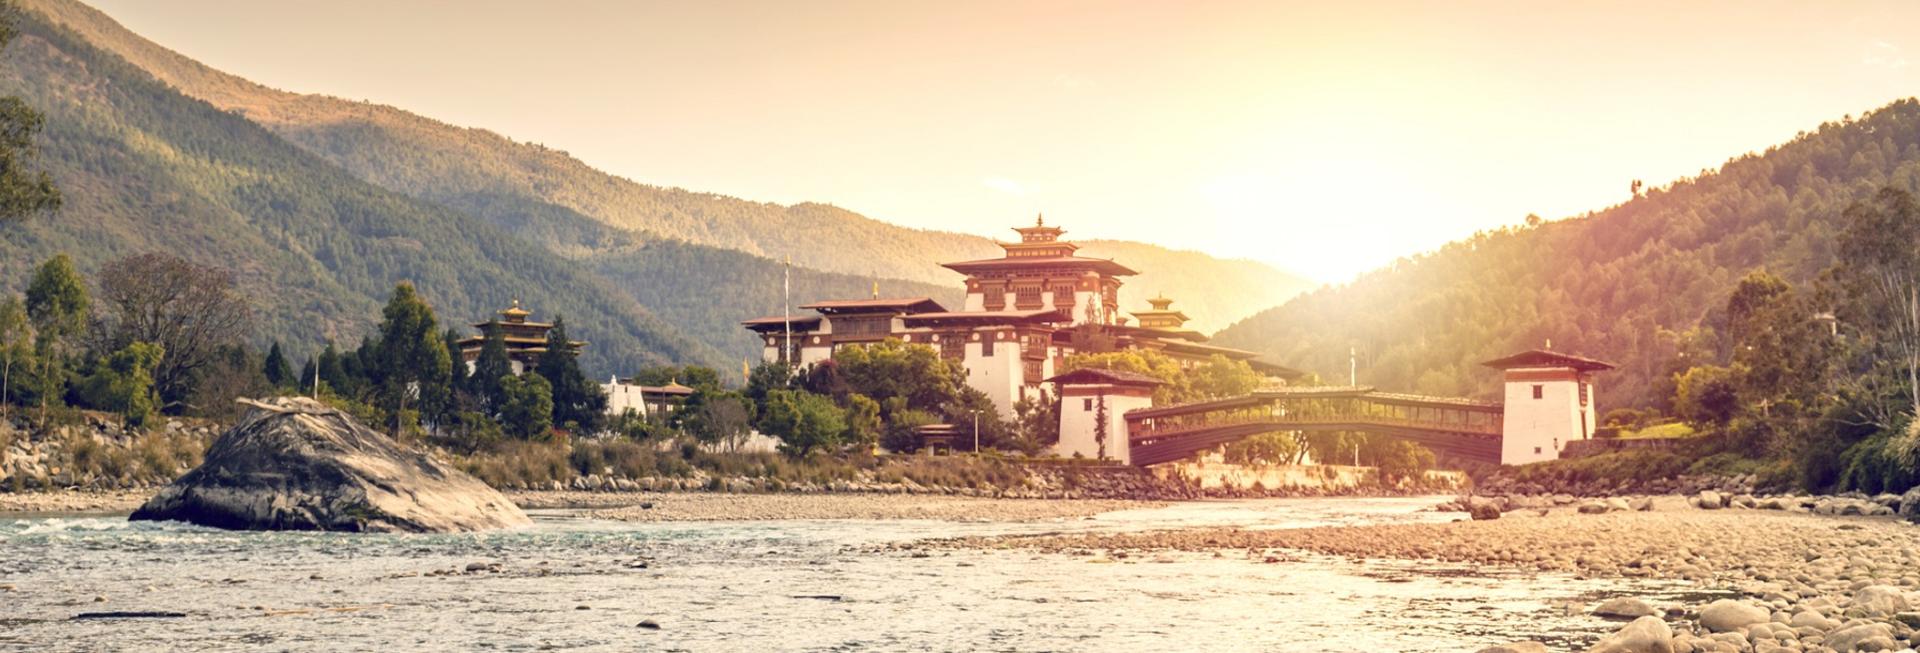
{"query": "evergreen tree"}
[(279, 372), (413, 367), (123, 383), (577, 400), (57, 306), (527, 412), (492, 365), (16, 348)]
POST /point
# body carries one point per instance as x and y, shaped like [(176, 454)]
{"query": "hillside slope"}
[(431, 160), (145, 168), (1618, 284)]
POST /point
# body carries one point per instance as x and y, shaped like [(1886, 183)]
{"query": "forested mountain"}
[(1625, 284), (469, 168), (145, 168)]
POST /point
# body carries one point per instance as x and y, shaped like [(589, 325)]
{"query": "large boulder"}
[(292, 463)]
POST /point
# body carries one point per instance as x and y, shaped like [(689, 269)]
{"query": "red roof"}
[(905, 305), (1544, 358), (1096, 264)]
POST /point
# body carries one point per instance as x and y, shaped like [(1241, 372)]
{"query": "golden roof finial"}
[(1039, 219), (876, 290)]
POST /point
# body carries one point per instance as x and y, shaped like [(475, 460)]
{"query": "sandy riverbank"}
[(682, 506), (1808, 581)]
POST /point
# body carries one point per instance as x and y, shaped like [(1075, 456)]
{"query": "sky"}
[(1325, 139)]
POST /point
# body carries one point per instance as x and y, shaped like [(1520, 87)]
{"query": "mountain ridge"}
[(437, 161), (1629, 283)]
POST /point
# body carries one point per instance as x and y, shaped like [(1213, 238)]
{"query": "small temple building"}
[(526, 340), (1018, 324), (1549, 402), (648, 401)]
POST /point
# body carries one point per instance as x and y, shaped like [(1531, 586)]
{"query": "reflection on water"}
[(581, 584)]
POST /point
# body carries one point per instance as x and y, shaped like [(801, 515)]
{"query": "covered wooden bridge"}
[(1462, 429)]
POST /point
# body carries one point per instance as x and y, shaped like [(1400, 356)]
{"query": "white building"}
[(1093, 408), (1017, 326), (1549, 402)]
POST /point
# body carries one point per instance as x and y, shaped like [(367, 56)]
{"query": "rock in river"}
[(292, 463), (1644, 635), (1729, 615)]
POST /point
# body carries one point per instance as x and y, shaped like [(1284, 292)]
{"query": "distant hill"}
[(1618, 284), (145, 168), (465, 167)]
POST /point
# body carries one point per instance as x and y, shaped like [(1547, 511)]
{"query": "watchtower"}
[(1549, 402), (1093, 408)]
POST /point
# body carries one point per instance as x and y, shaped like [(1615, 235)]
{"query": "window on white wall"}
[(1086, 404), (1539, 392)]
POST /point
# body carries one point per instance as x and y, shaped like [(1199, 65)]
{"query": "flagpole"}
[(786, 308)]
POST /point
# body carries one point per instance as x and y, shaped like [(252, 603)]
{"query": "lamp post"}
[(976, 430)]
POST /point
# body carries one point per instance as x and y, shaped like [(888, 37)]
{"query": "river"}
[(572, 583)]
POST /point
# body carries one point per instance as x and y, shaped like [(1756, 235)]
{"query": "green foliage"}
[(804, 422), (900, 436), (863, 422), (16, 348), (1613, 468), (317, 247), (57, 300), (1399, 459), (1036, 424), (278, 371), (123, 383), (410, 366), (492, 364), (578, 402), (1219, 377), (891, 368), (1708, 396), (527, 413), (717, 417)]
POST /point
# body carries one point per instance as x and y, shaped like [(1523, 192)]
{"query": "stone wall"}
[(94, 450)]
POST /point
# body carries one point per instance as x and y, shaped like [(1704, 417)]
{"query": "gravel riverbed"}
[(1805, 582)]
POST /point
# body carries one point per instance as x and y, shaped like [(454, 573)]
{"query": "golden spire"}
[(1039, 219), (876, 290)]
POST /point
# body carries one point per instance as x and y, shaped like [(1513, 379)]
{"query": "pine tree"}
[(279, 372), (492, 365), (576, 399), (412, 367)]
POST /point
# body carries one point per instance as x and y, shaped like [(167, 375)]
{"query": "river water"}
[(571, 583)]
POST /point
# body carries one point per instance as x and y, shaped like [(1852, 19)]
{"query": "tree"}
[(16, 347), (1880, 273), (492, 365), (766, 378), (235, 372), (56, 304), (892, 368), (191, 311), (718, 417), (528, 411), (1036, 423), (902, 429), (23, 190), (123, 383), (1222, 377), (278, 371), (412, 368), (577, 401), (1399, 459), (863, 422), (804, 422), (1708, 396)]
